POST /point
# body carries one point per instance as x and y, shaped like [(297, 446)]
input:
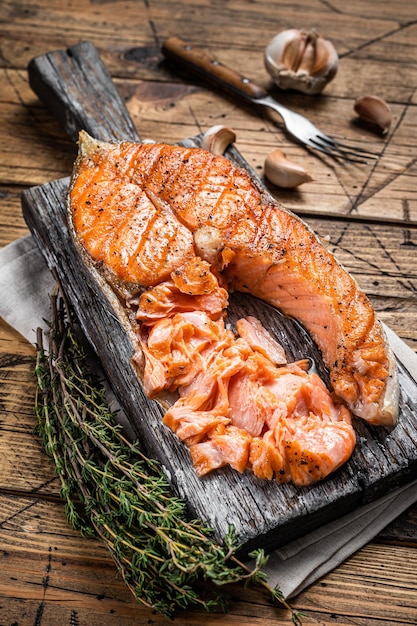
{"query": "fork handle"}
[(208, 68)]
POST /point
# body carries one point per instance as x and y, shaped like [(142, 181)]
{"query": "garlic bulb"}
[(284, 173), (375, 110), (301, 60)]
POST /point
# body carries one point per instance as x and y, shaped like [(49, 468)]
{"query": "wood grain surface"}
[(264, 514), (49, 574)]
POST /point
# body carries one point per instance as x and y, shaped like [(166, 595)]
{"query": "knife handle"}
[(208, 68), (78, 89)]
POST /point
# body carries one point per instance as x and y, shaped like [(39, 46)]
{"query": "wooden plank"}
[(63, 80), (48, 570), (402, 531), (263, 513), (366, 589), (161, 110), (12, 224), (75, 576), (168, 108), (255, 508), (22, 457), (385, 47), (117, 28), (378, 50)]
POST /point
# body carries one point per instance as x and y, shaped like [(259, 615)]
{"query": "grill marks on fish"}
[(188, 226), (119, 225)]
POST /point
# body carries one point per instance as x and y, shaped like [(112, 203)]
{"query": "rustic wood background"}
[(49, 575)]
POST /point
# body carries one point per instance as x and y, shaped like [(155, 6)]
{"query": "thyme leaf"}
[(112, 491)]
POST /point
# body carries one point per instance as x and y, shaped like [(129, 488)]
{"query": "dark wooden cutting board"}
[(78, 89)]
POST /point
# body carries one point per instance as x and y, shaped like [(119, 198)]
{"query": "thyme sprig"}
[(113, 491)]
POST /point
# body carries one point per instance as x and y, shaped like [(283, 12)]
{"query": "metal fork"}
[(298, 126), (301, 129)]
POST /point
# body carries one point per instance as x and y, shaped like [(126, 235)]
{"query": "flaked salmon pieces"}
[(178, 228), (240, 403)]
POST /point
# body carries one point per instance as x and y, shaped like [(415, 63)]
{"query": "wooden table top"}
[(50, 575)]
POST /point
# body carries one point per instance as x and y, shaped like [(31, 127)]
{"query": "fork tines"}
[(340, 150)]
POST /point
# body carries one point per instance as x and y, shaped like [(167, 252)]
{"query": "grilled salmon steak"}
[(174, 230)]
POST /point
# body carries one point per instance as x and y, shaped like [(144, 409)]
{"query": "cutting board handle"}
[(77, 87)]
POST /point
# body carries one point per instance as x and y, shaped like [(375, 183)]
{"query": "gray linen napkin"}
[(25, 286)]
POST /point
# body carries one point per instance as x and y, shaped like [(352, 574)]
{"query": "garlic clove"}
[(287, 49), (323, 52), (375, 110), (284, 173), (217, 138), (301, 60)]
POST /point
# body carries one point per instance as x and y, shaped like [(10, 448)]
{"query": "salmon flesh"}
[(173, 231)]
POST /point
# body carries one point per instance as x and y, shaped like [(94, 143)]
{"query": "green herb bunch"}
[(114, 492)]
